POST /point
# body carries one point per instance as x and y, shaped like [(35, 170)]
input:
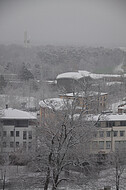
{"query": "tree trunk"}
[(55, 182), (4, 181), (47, 179)]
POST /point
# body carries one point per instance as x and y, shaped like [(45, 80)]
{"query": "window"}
[(101, 133), (17, 133), (30, 134), (115, 134), (108, 144), (8, 122), (122, 133), (12, 133), (4, 144), (110, 123), (21, 123), (101, 144), (120, 145), (122, 123), (24, 135), (11, 144), (4, 133), (108, 133), (17, 144)]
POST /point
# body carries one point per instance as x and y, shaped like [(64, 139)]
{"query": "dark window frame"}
[(11, 133), (17, 133), (24, 135), (122, 133)]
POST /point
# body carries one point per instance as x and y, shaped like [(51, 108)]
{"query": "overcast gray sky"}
[(64, 22)]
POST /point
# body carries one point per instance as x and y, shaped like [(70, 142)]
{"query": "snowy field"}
[(33, 181)]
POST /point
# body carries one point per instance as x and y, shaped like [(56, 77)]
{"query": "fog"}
[(64, 22)]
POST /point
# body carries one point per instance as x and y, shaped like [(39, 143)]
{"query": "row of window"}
[(17, 134), (107, 144), (112, 123), (17, 144), (19, 123), (101, 144), (103, 134)]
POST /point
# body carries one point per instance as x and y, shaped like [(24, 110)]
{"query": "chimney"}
[(6, 106)]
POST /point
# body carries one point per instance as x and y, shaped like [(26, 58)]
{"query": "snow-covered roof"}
[(114, 106), (80, 74), (108, 117), (96, 76), (11, 113), (82, 94), (70, 75), (55, 103), (113, 83), (122, 107)]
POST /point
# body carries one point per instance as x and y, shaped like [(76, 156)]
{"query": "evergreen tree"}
[(25, 74), (2, 83)]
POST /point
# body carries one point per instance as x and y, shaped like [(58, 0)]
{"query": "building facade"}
[(110, 135), (17, 130), (92, 102)]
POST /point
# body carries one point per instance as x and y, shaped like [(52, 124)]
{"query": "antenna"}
[(26, 39)]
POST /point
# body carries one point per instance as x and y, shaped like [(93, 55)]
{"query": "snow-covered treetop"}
[(55, 103)]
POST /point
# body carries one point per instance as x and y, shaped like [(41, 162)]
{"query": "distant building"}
[(16, 130), (122, 108), (71, 81), (92, 102), (47, 107)]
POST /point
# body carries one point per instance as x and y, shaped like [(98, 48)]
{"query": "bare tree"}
[(118, 161), (63, 142)]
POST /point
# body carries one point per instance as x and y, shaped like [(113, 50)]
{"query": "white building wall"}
[(12, 141)]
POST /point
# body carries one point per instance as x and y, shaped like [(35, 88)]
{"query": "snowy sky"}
[(64, 22)]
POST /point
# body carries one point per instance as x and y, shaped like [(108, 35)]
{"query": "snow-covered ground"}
[(105, 178)]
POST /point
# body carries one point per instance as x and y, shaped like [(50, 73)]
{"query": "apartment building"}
[(110, 134), (17, 130)]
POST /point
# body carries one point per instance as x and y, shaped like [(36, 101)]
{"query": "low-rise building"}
[(70, 81), (110, 134), (16, 130), (92, 102), (48, 106)]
